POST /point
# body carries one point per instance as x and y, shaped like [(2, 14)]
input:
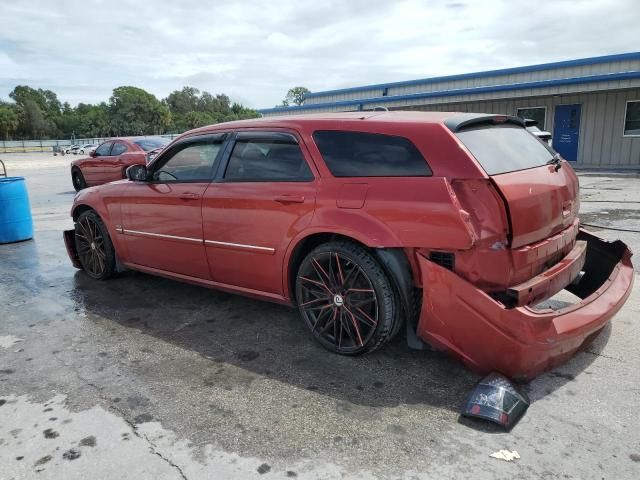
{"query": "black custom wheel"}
[(346, 299), (78, 180), (94, 247)]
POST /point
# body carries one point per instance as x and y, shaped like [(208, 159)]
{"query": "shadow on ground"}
[(269, 340)]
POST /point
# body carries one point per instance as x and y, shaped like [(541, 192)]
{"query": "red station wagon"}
[(111, 159), (456, 226)]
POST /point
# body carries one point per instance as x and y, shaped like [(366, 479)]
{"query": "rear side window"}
[(118, 149), (267, 158), (505, 148), (358, 154)]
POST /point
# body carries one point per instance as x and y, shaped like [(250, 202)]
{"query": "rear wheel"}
[(78, 180), (94, 247), (346, 299)]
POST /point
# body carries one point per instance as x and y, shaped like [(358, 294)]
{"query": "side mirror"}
[(92, 153), (137, 173)]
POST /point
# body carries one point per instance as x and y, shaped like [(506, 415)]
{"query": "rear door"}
[(541, 197), (265, 195)]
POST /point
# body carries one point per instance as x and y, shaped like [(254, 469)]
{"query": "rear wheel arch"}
[(301, 249), (394, 261)]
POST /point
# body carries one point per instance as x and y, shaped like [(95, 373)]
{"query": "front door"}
[(163, 216), (113, 166), (93, 170), (265, 197), (566, 131)]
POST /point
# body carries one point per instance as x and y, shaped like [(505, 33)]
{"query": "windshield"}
[(148, 144), (505, 148)]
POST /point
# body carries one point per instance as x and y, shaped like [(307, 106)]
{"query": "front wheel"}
[(94, 247), (346, 299)]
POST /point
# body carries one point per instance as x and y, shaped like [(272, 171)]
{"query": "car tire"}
[(78, 180), (81, 152), (346, 299), (93, 245)]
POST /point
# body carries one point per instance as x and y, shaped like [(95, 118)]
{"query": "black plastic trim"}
[(466, 120), (395, 263)]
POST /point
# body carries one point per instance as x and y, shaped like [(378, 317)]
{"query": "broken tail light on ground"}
[(497, 400)]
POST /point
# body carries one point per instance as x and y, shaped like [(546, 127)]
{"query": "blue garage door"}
[(566, 131)]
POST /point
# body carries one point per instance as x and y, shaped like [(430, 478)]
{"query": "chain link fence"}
[(26, 146)]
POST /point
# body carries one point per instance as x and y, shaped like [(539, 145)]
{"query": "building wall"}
[(601, 143), (437, 85)]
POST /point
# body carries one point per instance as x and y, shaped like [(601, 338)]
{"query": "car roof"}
[(314, 120)]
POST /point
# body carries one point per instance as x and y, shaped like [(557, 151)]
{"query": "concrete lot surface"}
[(145, 378)]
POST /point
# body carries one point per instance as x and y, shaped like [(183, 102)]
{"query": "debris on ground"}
[(506, 455)]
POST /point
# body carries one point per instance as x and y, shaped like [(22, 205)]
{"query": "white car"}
[(88, 148), (532, 126), (71, 149)]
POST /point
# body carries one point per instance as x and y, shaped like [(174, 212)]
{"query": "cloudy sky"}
[(254, 51)]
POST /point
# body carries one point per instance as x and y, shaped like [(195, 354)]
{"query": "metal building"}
[(591, 105)]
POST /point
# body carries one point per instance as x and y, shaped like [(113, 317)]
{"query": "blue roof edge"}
[(502, 71), (465, 91)]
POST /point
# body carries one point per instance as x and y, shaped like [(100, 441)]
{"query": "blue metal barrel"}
[(15, 212)]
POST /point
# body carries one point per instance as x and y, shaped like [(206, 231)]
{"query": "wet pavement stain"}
[(43, 460), (264, 468), (50, 433), (88, 441), (71, 454)]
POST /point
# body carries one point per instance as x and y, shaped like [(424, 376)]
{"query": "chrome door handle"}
[(189, 196), (289, 199)]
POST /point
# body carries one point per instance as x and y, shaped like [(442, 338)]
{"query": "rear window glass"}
[(505, 148), (357, 154), (148, 144)]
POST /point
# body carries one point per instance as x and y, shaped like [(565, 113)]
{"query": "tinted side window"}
[(192, 161), (357, 154), (103, 150), (118, 149), (275, 158)]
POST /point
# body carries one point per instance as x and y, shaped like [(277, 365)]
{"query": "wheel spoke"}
[(340, 275), (319, 316), (355, 325), (362, 317), (315, 282), (321, 272), (362, 303), (315, 300), (330, 322)]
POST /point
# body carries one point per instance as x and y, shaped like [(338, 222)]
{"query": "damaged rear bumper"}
[(523, 342)]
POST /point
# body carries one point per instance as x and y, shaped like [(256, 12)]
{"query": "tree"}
[(137, 112), (295, 96), (37, 113), (191, 108), (8, 121)]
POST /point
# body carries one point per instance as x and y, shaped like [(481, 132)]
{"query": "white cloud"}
[(255, 50)]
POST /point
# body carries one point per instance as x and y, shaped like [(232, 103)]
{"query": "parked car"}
[(109, 161), (456, 226), (71, 149), (87, 148), (532, 126)]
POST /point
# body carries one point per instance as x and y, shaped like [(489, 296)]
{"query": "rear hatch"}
[(540, 191)]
